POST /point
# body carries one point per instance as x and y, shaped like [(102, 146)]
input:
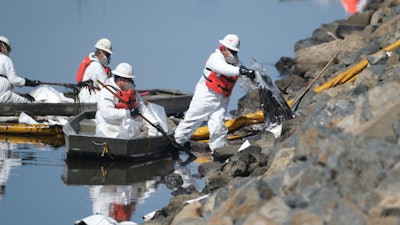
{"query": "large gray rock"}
[(336, 163)]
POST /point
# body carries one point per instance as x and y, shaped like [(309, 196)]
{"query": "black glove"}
[(135, 112), (86, 83), (29, 97), (247, 72), (159, 128), (72, 86), (32, 83)]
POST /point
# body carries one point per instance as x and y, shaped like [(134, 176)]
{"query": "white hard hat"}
[(104, 44), (6, 41), (231, 41), (124, 70)]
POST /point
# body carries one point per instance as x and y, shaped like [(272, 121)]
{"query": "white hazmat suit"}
[(95, 71), (8, 80), (207, 103), (117, 123)]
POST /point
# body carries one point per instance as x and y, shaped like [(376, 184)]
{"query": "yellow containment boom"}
[(351, 74), (203, 133), (34, 129)]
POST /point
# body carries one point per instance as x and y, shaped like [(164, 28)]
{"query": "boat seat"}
[(87, 126)]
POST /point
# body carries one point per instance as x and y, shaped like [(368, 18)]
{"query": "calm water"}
[(167, 42)]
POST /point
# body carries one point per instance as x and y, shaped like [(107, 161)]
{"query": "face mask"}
[(129, 86), (105, 61), (6, 52), (231, 59)]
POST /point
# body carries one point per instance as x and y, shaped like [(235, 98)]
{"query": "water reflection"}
[(116, 188), (40, 141), (8, 160), (189, 177), (118, 201)]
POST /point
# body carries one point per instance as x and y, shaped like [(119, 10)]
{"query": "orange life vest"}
[(350, 6), (121, 212), (84, 64), (222, 84), (130, 100)]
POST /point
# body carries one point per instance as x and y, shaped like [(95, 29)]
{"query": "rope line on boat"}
[(105, 149), (103, 174)]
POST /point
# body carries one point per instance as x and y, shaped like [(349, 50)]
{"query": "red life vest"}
[(121, 212), (222, 84), (107, 70), (130, 99), (84, 64)]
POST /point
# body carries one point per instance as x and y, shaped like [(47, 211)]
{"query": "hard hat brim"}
[(222, 42), (110, 52), (122, 75)]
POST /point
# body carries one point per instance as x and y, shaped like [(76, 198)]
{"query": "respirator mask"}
[(232, 57), (106, 60), (6, 49), (129, 86)]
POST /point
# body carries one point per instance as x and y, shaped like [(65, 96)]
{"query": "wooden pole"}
[(315, 79), (60, 84)]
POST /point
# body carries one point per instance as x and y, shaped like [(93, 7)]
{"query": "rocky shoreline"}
[(337, 162)]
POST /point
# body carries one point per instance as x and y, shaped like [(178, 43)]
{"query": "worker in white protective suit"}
[(9, 79), (211, 96), (116, 118), (115, 204), (117, 201), (8, 160), (92, 68)]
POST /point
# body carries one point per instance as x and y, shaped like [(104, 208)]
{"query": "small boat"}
[(120, 186), (42, 109), (174, 102), (95, 172), (81, 141)]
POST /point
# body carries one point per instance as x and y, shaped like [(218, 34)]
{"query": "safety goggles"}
[(127, 80), (106, 54), (8, 49), (234, 53)]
